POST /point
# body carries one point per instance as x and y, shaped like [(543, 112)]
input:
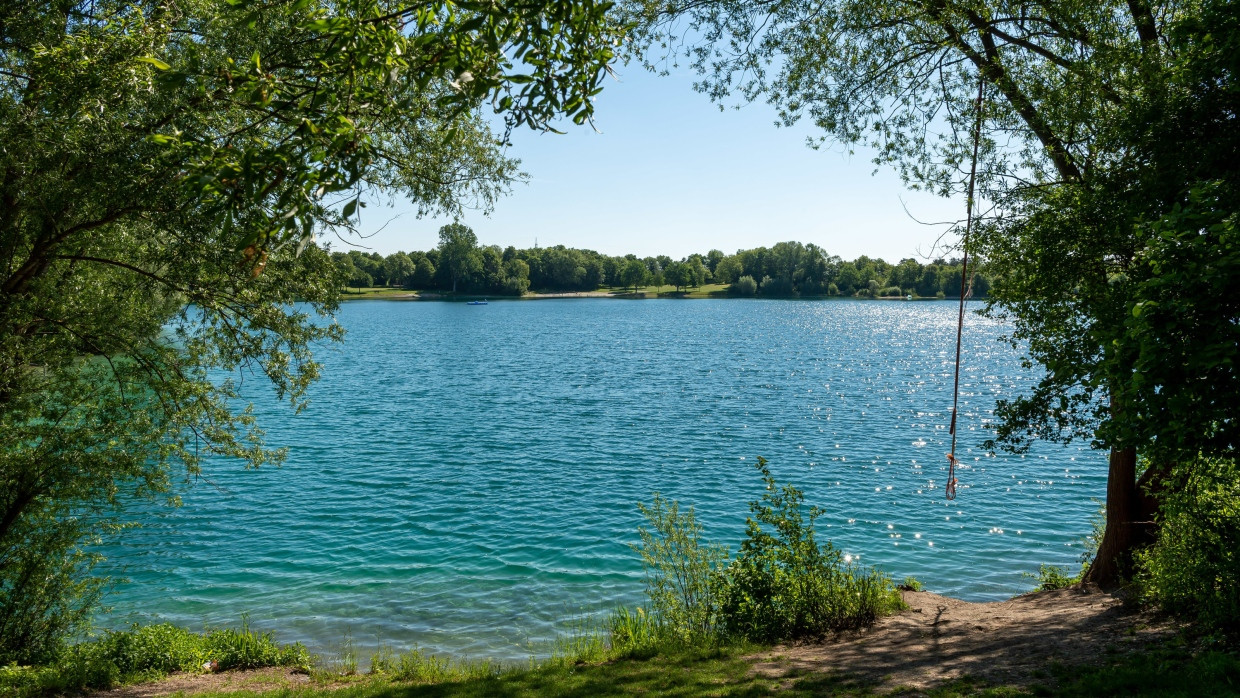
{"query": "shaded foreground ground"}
[(938, 645), (1006, 643)]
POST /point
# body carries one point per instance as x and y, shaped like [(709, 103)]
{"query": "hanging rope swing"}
[(965, 287)]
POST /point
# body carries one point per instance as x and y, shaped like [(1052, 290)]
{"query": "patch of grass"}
[(415, 666), (146, 653), (718, 672), (1170, 672), (353, 293)]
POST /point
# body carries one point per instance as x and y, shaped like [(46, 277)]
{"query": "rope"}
[(964, 288)]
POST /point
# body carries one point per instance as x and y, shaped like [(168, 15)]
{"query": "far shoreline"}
[(435, 296)]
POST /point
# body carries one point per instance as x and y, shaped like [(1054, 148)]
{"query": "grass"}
[(148, 653), (704, 291), (717, 672), (583, 666), (726, 672), (353, 293)]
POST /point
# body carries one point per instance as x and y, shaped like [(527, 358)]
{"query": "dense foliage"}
[(788, 269), (1193, 566), (781, 585), (1106, 140), (165, 170)]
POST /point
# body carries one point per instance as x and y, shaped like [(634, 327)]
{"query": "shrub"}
[(1193, 567), (744, 286), (784, 585), (147, 652), (159, 648), (890, 292), (1051, 578), (776, 287), (680, 570), (47, 589), (247, 649)]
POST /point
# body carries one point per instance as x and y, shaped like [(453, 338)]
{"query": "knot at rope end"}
[(950, 491)]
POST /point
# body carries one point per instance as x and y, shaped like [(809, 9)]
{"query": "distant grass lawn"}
[(353, 293), (705, 291)]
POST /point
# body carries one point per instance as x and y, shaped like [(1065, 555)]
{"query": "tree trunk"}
[(1131, 506)]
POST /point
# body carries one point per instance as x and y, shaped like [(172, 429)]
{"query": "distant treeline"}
[(787, 269)]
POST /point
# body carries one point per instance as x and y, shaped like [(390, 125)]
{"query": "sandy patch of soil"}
[(1011, 642), (271, 679)]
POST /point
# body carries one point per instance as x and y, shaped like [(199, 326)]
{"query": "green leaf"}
[(153, 61), (349, 208)]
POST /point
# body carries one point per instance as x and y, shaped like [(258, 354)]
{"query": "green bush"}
[(247, 649), (1193, 567), (1051, 578), (784, 585), (890, 292), (744, 286), (159, 648), (147, 652), (681, 570), (47, 589)]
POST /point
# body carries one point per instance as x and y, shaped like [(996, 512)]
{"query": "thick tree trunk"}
[(1131, 507), (1114, 559)]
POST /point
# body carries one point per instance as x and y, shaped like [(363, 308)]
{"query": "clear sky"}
[(672, 174)]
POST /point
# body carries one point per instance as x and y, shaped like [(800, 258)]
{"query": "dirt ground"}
[(937, 640), (272, 679), (1011, 642)]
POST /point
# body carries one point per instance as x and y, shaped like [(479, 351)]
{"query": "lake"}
[(466, 477)]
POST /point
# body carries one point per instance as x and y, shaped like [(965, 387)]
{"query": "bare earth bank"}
[(937, 640)]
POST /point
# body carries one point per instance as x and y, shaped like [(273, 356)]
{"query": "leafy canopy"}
[(165, 170)]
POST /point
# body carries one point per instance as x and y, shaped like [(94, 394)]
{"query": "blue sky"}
[(670, 173)]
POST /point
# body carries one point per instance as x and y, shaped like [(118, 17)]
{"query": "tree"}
[(697, 271), (397, 266), (459, 257), (728, 270), (516, 277), (633, 274), (423, 274), (164, 172), (678, 275), (1074, 90)]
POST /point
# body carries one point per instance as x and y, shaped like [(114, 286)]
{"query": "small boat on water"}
[(477, 303)]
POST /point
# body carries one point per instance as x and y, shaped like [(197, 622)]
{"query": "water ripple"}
[(465, 479)]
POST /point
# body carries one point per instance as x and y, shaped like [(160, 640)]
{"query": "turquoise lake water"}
[(466, 477)]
